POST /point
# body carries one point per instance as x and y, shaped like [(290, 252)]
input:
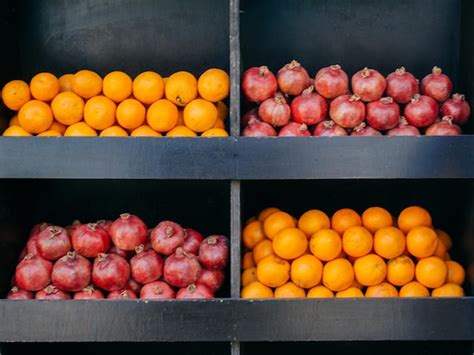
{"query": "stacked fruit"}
[(149, 106), (348, 255), (121, 259), (293, 103)]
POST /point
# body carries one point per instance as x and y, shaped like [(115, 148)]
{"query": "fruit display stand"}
[(215, 184)]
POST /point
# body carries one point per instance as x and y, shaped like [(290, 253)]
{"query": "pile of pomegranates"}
[(119, 259), (292, 104)]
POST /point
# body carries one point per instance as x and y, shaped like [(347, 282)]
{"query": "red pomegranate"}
[(363, 130), (275, 111), (193, 291), (256, 128), (73, 226), (368, 84), (403, 129), (106, 224), (437, 85), (157, 290), (213, 279), (31, 245), (458, 108), (124, 254), (19, 294), (445, 127), (33, 273), (122, 295), (52, 293), (214, 252), (89, 293), (383, 114), (181, 268), (166, 237), (422, 111), (53, 243), (146, 266), (309, 108), (22, 255), (134, 286), (329, 128), (90, 240), (192, 240), (259, 84), (293, 78), (331, 82), (128, 232), (37, 228), (347, 111), (294, 129), (253, 113), (402, 86), (110, 272), (72, 272)]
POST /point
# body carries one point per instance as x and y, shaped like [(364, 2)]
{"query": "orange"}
[(181, 131), (250, 220), (181, 88), (448, 290), (289, 290), (50, 133), (86, 84), (290, 243), (35, 116), (356, 284), (338, 275), (422, 241), (262, 250), (431, 272), (351, 292), (114, 131), (253, 234), (214, 85), (15, 131), (144, 131), (345, 218), (306, 271), (326, 244), (389, 242), (370, 270), (312, 221), (200, 115), (276, 222), (247, 261), (400, 271), (99, 112), (15, 94), (440, 250), (219, 124), (456, 273), (180, 118), (162, 116), (375, 218), (273, 271), (414, 289), (445, 238), (117, 86), (148, 87), (44, 86), (68, 108), (222, 111), (249, 276), (262, 216), (256, 290), (412, 217), (382, 290), (357, 241), (65, 82), (80, 129), (320, 292), (58, 127), (130, 114), (215, 132), (447, 257), (14, 121)]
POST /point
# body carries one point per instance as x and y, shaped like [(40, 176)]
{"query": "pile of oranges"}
[(84, 104), (348, 255)]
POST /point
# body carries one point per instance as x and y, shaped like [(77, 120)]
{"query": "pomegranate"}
[(275, 111), (122, 295), (106, 224), (166, 237), (403, 129), (445, 127), (331, 82), (214, 252), (294, 129), (33, 273), (31, 245), (146, 266), (253, 113), (192, 240), (363, 130), (128, 232), (256, 128), (347, 111), (73, 226), (329, 128), (293, 78), (53, 243), (157, 290), (182, 268), (422, 111), (110, 272), (90, 240), (195, 292), (72, 272), (437, 85), (134, 286), (368, 84), (19, 294), (124, 254), (458, 108), (259, 84), (37, 228), (309, 108), (402, 86), (383, 114), (52, 293), (22, 255), (213, 279), (89, 293)]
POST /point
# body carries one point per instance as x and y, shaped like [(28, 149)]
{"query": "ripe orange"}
[(389, 242), (456, 273), (326, 244), (250, 220), (445, 238), (400, 270), (253, 234), (356, 284), (382, 290), (130, 114), (162, 116), (320, 292), (370, 270), (200, 115), (148, 87), (256, 290), (306, 271), (219, 124), (50, 133), (68, 108), (448, 290), (180, 117), (35, 116), (357, 241), (412, 217), (351, 292), (375, 218), (440, 250), (44, 86), (262, 250), (15, 131), (114, 131), (267, 212), (431, 272), (14, 121), (65, 82), (422, 241), (247, 261), (58, 127), (249, 276), (117, 86), (214, 85), (15, 94), (222, 111), (144, 131), (80, 129), (290, 243), (276, 222), (86, 84), (181, 88), (345, 218), (312, 221), (99, 112), (273, 271), (289, 290), (215, 132), (181, 131), (414, 289), (338, 275)]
